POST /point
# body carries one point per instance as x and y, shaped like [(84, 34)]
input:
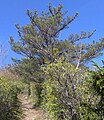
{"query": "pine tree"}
[(39, 44), (40, 38)]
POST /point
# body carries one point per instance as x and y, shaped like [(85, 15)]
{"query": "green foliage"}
[(88, 114), (60, 95), (67, 92), (40, 37), (49, 104), (35, 94), (9, 103), (93, 97), (98, 80), (98, 88), (64, 79), (28, 69)]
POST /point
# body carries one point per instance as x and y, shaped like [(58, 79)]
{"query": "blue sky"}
[(91, 16)]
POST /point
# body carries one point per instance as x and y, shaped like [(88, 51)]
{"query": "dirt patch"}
[(29, 113)]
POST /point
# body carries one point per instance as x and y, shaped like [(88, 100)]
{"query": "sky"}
[(91, 16)]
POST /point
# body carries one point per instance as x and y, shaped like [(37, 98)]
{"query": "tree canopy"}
[(57, 66)]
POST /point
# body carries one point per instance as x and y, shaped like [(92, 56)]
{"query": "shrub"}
[(9, 104)]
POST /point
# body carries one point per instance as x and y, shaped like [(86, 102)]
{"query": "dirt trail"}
[(29, 112)]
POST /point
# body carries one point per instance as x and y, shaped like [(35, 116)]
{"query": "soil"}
[(29, 113)]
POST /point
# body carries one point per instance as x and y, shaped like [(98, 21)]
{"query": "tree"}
[(40, 38), (40, 45)]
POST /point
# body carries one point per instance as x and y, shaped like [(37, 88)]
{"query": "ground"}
[(29, 113)]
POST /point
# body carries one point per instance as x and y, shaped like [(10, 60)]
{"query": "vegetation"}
[(68, 94), (98, 87), (10, 86), (56, 72), (10, 107)]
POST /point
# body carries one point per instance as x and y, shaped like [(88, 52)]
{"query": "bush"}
[(60, 98), (9, 104), (67, 92)]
